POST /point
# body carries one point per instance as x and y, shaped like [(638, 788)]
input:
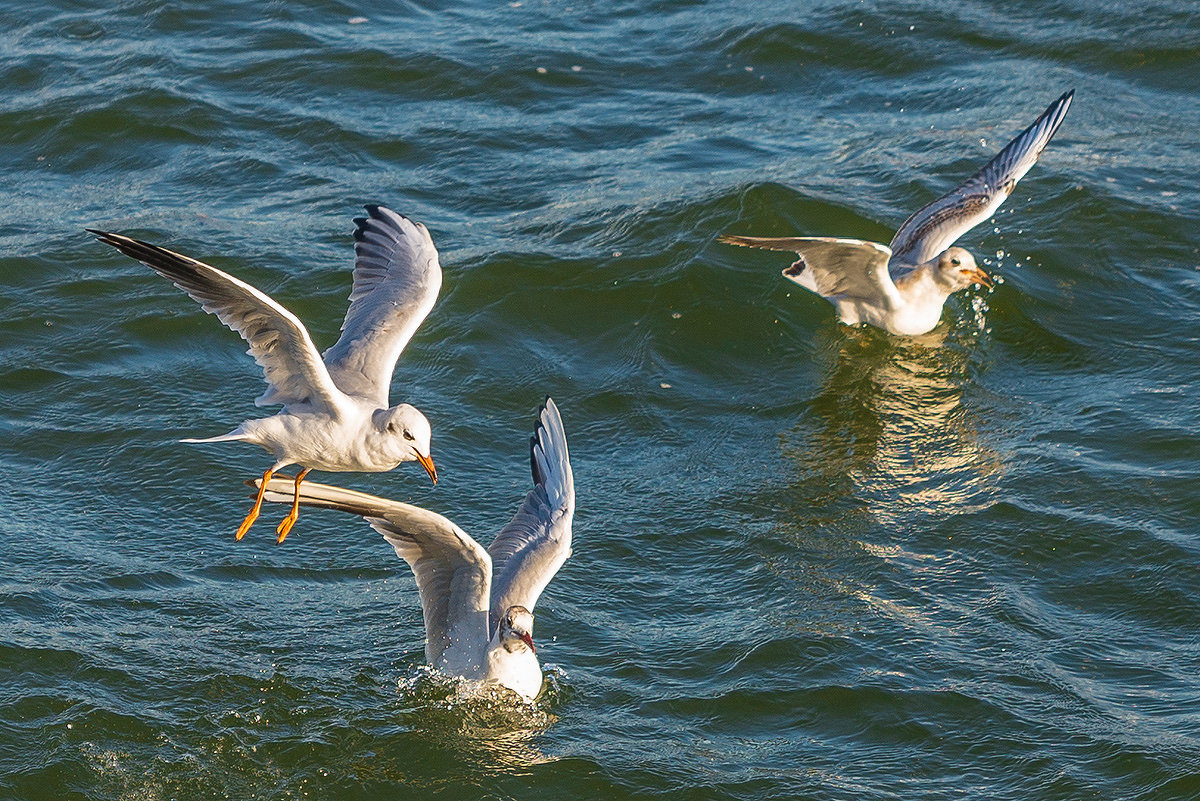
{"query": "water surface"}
[(811, 562)]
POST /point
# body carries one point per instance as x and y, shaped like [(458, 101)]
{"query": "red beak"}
[(527, 638)]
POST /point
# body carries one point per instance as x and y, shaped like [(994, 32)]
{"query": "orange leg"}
[(253, 515), (286, 524)]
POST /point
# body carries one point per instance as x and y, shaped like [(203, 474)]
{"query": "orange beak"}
[(983, 278), (427, 463)]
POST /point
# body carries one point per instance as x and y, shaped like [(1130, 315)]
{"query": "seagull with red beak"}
[(903, 287)]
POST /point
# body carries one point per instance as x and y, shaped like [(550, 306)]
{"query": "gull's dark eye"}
[(955, 262), (408, 435)]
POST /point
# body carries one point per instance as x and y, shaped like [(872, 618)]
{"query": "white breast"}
[(517, 670)]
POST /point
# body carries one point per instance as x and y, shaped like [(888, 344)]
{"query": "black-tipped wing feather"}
[(396, 281), (935, 227), (530, 550), (278, 341)]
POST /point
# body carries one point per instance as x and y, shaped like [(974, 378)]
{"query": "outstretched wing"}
[(453, 571), (935, 227), (396, 281), (852, 268), (531, 549), (278, 341)]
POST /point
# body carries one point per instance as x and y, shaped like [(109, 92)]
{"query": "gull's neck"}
[(922, 285)]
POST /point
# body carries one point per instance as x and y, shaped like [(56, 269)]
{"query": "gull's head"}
[(516, 629), (408, 436), (957, 270)]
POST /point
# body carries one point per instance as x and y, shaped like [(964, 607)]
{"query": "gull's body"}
[(478, 604), (903, 287), (335, 413)]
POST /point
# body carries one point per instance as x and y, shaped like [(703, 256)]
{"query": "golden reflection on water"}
[(889, 428), (887, 442)]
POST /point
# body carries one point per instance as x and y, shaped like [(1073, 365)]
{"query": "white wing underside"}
[(453, 571), (932, 229), (278, 341), (396, 281), (529, 551), (832, 267)]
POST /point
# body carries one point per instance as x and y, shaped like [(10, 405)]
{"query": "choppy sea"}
[(811, 562)]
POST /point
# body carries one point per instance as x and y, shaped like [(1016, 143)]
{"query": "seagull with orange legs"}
[(335, 413), (903, 287)]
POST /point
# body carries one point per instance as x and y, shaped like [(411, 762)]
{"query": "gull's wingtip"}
[(1064, 100), (734, 239), (377, 211), (1057, 111), (108, 237), (548, 416), (548, 403), (387, 218), (550, 438), (283, 478)]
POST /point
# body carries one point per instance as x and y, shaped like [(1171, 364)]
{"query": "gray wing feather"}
[(396, 281), (278, 341), (831, 267), (530, 550), (932, 229), (452, 570)]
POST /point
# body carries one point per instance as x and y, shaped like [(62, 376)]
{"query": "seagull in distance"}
[(335, 413), (478, 604), (903, 286)]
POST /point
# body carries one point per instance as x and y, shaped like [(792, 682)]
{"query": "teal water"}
[(810, 562)]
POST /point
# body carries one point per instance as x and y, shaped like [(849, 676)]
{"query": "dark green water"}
[(810, 562)]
